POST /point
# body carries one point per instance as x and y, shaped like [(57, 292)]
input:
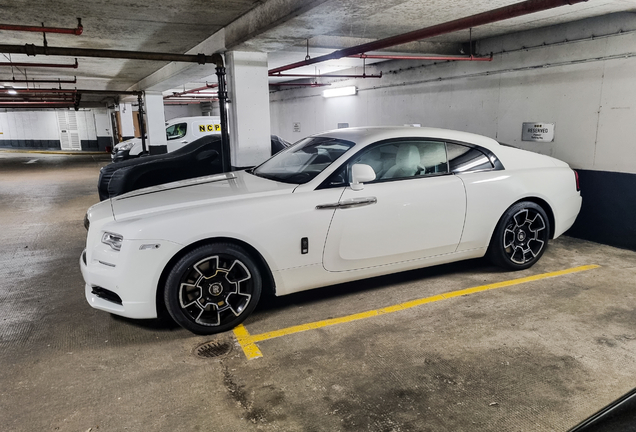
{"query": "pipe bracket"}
[(30, 49)]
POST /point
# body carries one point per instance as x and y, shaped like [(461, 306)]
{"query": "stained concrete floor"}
[(541, 356)]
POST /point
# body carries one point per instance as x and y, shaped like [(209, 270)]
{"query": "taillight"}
[(576, 176)]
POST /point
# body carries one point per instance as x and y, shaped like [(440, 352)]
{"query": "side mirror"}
[(361, 173)]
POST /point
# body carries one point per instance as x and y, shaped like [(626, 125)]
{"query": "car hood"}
[(202, 191)]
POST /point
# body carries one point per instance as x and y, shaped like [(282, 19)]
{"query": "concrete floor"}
[(540, 356)]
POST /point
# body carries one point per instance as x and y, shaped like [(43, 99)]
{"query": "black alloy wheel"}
[(521, 236), (213, 288)]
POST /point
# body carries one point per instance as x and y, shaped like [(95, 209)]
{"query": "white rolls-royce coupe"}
[(335, 207)]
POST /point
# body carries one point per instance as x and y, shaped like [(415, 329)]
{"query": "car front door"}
[(414, 209), (176, 136)]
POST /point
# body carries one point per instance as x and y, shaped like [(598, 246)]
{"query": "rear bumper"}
[(566, 213)]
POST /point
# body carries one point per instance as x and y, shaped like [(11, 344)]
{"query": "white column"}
[(126, 119), (155, 123), (248, 92)]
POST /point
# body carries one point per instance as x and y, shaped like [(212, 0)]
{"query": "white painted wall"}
[(587, 87), (126, 120), (42, 124), (29, 125), (103, 125), (176, 111), (86, 124), (93, 123)]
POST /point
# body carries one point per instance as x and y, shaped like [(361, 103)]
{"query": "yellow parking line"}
[(248, 342)]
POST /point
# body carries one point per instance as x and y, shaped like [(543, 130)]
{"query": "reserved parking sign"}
[(541, 132)]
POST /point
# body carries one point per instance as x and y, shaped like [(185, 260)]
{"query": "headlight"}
[(126, 146), (113, 240)]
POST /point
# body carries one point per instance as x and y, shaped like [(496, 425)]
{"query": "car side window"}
[(463, 158), (405, 159), (176, 131)]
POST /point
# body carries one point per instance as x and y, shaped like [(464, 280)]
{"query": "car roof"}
[(371, 134), (193, 118)]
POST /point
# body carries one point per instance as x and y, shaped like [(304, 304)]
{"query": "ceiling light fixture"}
[(341, 91), (12, 91)]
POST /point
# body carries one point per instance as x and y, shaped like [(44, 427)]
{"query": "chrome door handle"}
[(358, 202), (354, 202)]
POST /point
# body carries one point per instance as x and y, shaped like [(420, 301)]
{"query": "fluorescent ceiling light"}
[(12, 91), (341, 91)]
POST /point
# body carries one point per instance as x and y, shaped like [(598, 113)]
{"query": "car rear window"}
[(466, 159)]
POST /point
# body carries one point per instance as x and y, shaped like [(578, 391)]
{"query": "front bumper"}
[(125, 283)]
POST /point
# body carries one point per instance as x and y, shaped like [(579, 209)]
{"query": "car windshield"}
[(304, 160)]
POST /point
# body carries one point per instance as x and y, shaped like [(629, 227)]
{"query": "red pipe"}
[(75, 31), (300, 84), (58, 81), (84, 91), (29, 96), (407, 57), (278, 74), (38, 104), (42, 65), (502, 13), (207, 86), (199, 92), (187, 102), (58, 100), (8, 102), (5, 90), (193, 94)]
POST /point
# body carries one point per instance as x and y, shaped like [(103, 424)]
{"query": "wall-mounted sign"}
[(541, 132), (343, 125), (296, 126)]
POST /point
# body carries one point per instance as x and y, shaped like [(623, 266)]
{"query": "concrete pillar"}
[(155, 122), (248, 92), (126, 119)]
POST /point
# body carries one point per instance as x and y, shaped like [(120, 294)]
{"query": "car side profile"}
[(334, 207), (196, 159), (179, 132)]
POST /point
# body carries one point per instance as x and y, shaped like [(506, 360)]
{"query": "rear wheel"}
[(213, 288), (521, 236)]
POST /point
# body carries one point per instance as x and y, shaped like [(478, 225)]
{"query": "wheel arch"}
[(546, 208), (268, 278)]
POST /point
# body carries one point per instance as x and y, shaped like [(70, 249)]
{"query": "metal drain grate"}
[(212, 349)]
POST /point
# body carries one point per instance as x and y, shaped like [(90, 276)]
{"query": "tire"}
[(521, 237), (213, 288)]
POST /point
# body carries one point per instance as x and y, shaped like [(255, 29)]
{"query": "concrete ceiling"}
[(279, 27)]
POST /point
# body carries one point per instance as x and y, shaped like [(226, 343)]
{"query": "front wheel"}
[(213, 288), (521, 236)]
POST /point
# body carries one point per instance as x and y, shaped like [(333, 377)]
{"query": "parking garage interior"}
[(464, 346)]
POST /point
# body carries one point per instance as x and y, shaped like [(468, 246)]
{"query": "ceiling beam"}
[(488, 17), (264, 17), (32, 50)]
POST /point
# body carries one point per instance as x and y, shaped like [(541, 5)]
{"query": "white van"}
[(179, 132)]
